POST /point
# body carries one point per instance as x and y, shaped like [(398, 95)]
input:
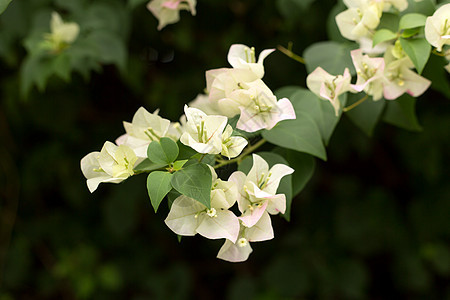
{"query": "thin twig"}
[(242, 156), (291, 54), (350, 107)]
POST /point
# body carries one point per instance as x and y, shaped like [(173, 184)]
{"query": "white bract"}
[(257, 190), (259, 107), (241, 249), (62, 33), (359, 19), (168, 11), (143, 129), (188, 216), (437, 28), (401, 79), (112, 164), (203, 133), (220, 83), (232, 146), (243, 57), (329, 87), (370, 73)]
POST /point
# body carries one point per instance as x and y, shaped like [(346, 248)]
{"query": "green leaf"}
[(177, 165), (389, 21), (35, 70), (319, 55), (329, 117), (185, 152), (195, 182), (366, 115), (147, 166), (158, 185), (407, 33), (164, 151), (401, 113), (171, 196), (435, 72), (383, 35), (287, 91), (304, 166), (285, 186), (418, 49), (109, 46), (304, 133), (3, 5), (425, 7), (62, 66), (412, 21)]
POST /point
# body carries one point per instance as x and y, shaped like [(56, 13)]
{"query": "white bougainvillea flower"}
[(188, 217), (257, 105), (112, 164), (168, 11), (257, 190), (359, 19), (241, 249), (243, 57), (62, 33), (370, 72), (401, 79), (437, 27), (220, 83), (143, 129), (232, 146), (203, 133), (329, 87)]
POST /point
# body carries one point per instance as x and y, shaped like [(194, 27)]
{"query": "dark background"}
[(373, 223)]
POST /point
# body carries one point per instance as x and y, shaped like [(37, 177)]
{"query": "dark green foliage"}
[(371, 224)]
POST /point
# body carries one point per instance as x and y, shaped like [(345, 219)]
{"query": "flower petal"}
[(233, 253), (251, 215), (225, 225), (181, 218), (261, 231)]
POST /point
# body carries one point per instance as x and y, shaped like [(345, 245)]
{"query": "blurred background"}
[(373, 222)]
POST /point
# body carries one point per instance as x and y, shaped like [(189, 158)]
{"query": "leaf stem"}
[(350, 107), (239, 159), (443, 54), (291, 54)]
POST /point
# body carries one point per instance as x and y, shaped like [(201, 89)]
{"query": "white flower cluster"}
[(240, 90), (205, 128), (256, 196), (389, 76)]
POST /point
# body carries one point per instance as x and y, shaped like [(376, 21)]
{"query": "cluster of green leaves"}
[(170, 171), (101, 41), (410, 34)]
